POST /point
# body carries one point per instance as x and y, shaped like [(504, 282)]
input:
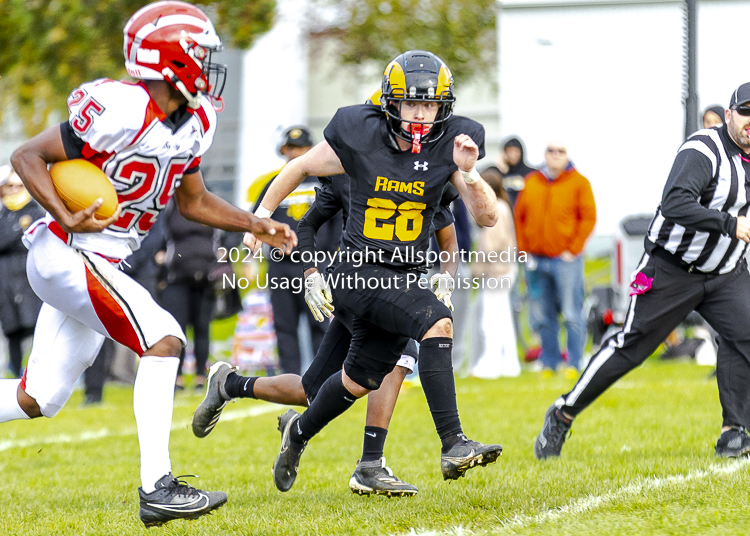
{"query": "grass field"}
[(640, 461)]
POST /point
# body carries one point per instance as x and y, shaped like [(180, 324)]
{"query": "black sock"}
[(238, 386), (372, 447), (436, 375), (333, 399)]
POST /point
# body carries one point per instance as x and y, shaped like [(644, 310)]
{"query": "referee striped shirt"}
[(707, 188)]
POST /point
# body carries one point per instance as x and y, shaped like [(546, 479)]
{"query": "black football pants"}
[(723, 300)]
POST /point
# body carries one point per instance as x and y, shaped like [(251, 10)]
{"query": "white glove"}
[(318, 296), (442, 286)]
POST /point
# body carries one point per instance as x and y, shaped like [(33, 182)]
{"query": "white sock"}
[(10, 410), (153, 398)]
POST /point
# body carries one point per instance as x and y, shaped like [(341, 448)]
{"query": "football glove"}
[(442, 286), (318, 296)]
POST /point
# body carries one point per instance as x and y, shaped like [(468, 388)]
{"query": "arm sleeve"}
[(307, 229), (72, 144), (586, 218), (691, 173)]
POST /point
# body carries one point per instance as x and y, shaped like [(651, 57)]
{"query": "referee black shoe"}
[(207, 415), (375, 478), (733, 443), (550, 440), (174, 499), (467, 454), (286, 466)]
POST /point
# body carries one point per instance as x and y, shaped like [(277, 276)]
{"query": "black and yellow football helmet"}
[(417, 75)]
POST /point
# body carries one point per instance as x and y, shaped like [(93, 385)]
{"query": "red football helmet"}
[(173, 41)]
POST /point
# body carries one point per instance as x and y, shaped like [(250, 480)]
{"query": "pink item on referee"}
[(641, 284)]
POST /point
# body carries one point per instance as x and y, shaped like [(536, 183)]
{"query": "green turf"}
[(640, 461)]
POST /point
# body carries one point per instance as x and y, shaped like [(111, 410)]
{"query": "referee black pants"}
[(723, 300)]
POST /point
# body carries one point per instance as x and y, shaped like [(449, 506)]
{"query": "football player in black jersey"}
[(399, 158), (287, 304), (371, 475)]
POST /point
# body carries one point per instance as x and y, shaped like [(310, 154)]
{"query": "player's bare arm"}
[(479, 198), (30, 162), (197, 204), (320, 161)]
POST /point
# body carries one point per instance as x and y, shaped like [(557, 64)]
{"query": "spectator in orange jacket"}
[(555, 214)]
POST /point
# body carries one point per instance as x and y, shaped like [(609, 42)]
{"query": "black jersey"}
[(394, 194), (333, 196)]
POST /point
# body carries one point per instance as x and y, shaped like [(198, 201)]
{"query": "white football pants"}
[(86, 298)]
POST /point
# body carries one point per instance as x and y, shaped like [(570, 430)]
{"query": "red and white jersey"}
[(142, 152)]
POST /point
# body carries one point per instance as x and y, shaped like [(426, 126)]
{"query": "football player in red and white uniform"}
[(148, 138)]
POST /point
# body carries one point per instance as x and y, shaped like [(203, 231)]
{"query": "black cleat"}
[(550, 440), (287, 462), (207, 414), (467, 454), (174, 499), (375, 477), (733, 443)]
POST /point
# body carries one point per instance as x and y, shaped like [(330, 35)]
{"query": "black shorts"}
[(332, 354), (387, 307)]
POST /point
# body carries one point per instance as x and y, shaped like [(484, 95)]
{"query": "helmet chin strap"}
[(193, 101), (417, 131)]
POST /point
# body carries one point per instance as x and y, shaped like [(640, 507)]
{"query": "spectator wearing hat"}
[(288, 299), (512, 167), (19, 305), (294, 142), (713, 116)]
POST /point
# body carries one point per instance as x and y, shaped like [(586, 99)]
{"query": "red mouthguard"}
[(417, 130)]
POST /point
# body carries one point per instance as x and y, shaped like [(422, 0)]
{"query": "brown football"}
[(79, 183)]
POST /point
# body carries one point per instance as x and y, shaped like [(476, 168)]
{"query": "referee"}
[(694, 261)]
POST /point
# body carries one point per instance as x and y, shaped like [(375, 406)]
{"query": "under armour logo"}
[(418, 166)]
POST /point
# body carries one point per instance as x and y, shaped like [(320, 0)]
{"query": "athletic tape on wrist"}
[(263, 212), (471, 177)]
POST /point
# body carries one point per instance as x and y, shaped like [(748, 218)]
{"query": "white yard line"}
[(587, 504), (92, 435), (573, 508)]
